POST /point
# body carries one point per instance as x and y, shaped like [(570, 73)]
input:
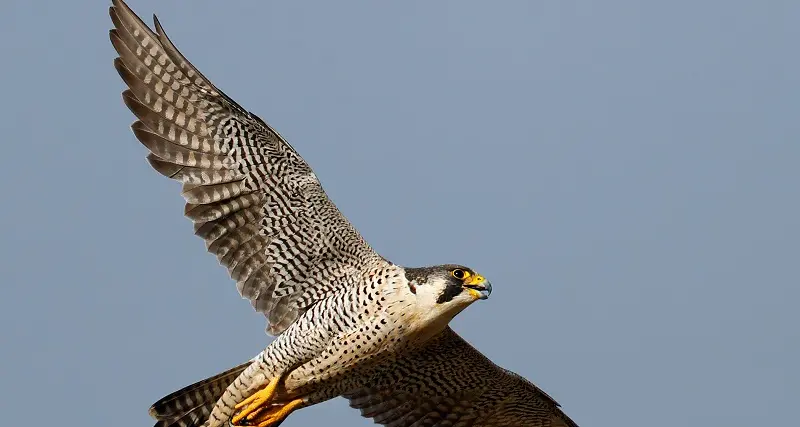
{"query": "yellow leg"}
[(275, 416), (255, 401)]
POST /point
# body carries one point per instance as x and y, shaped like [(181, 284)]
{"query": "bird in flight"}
[(347, 321), (336, 306)]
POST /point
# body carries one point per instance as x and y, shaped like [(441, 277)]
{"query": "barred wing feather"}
[(252, 198), (450, 383)]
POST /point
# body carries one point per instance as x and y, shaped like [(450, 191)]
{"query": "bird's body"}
[(341, 336), (336, 305), (348, 321)]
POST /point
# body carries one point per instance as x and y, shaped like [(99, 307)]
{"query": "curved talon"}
[(256, 401), (272, 417)]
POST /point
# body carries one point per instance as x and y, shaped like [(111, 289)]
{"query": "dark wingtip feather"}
[(137, 108), (164, 168), (124, 72), (148, 139), (130, 14), (118, 64)]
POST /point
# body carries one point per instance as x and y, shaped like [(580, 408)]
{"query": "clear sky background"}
[(625, 172)]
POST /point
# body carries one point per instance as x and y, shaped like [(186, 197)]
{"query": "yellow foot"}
[(257, 400), (274, 416)]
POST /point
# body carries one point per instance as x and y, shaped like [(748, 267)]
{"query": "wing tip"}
[(165, 168), (157, 25)]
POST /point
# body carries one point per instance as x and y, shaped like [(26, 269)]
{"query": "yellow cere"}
[(474, 279)]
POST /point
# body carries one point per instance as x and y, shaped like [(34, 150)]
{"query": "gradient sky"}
[(626, 173)]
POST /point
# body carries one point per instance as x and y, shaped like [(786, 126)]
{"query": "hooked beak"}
[(478, 286)]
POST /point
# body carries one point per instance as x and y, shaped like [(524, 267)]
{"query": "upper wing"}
[(254, 200), (450, 383)]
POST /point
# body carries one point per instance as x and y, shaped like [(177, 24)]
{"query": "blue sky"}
[(625, 173)]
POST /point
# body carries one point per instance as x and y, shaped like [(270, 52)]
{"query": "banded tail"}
[(191, 405)]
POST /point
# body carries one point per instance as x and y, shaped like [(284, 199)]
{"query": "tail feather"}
[(191, 405), (193, 418)]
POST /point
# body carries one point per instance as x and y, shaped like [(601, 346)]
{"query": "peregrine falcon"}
[(336, 306), (447, 382)]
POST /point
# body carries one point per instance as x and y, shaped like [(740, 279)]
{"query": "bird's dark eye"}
[(459, 274)]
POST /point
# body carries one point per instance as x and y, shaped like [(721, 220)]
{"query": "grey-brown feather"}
[(447, 383), (191, 405), (254, 200), (178, 403)]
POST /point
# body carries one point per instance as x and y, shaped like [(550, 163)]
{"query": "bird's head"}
[(446, 289)]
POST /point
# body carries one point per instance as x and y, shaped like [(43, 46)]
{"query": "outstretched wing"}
[(450, 383), (254, 200)]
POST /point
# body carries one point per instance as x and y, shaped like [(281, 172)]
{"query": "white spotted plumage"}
[(335, 304)]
